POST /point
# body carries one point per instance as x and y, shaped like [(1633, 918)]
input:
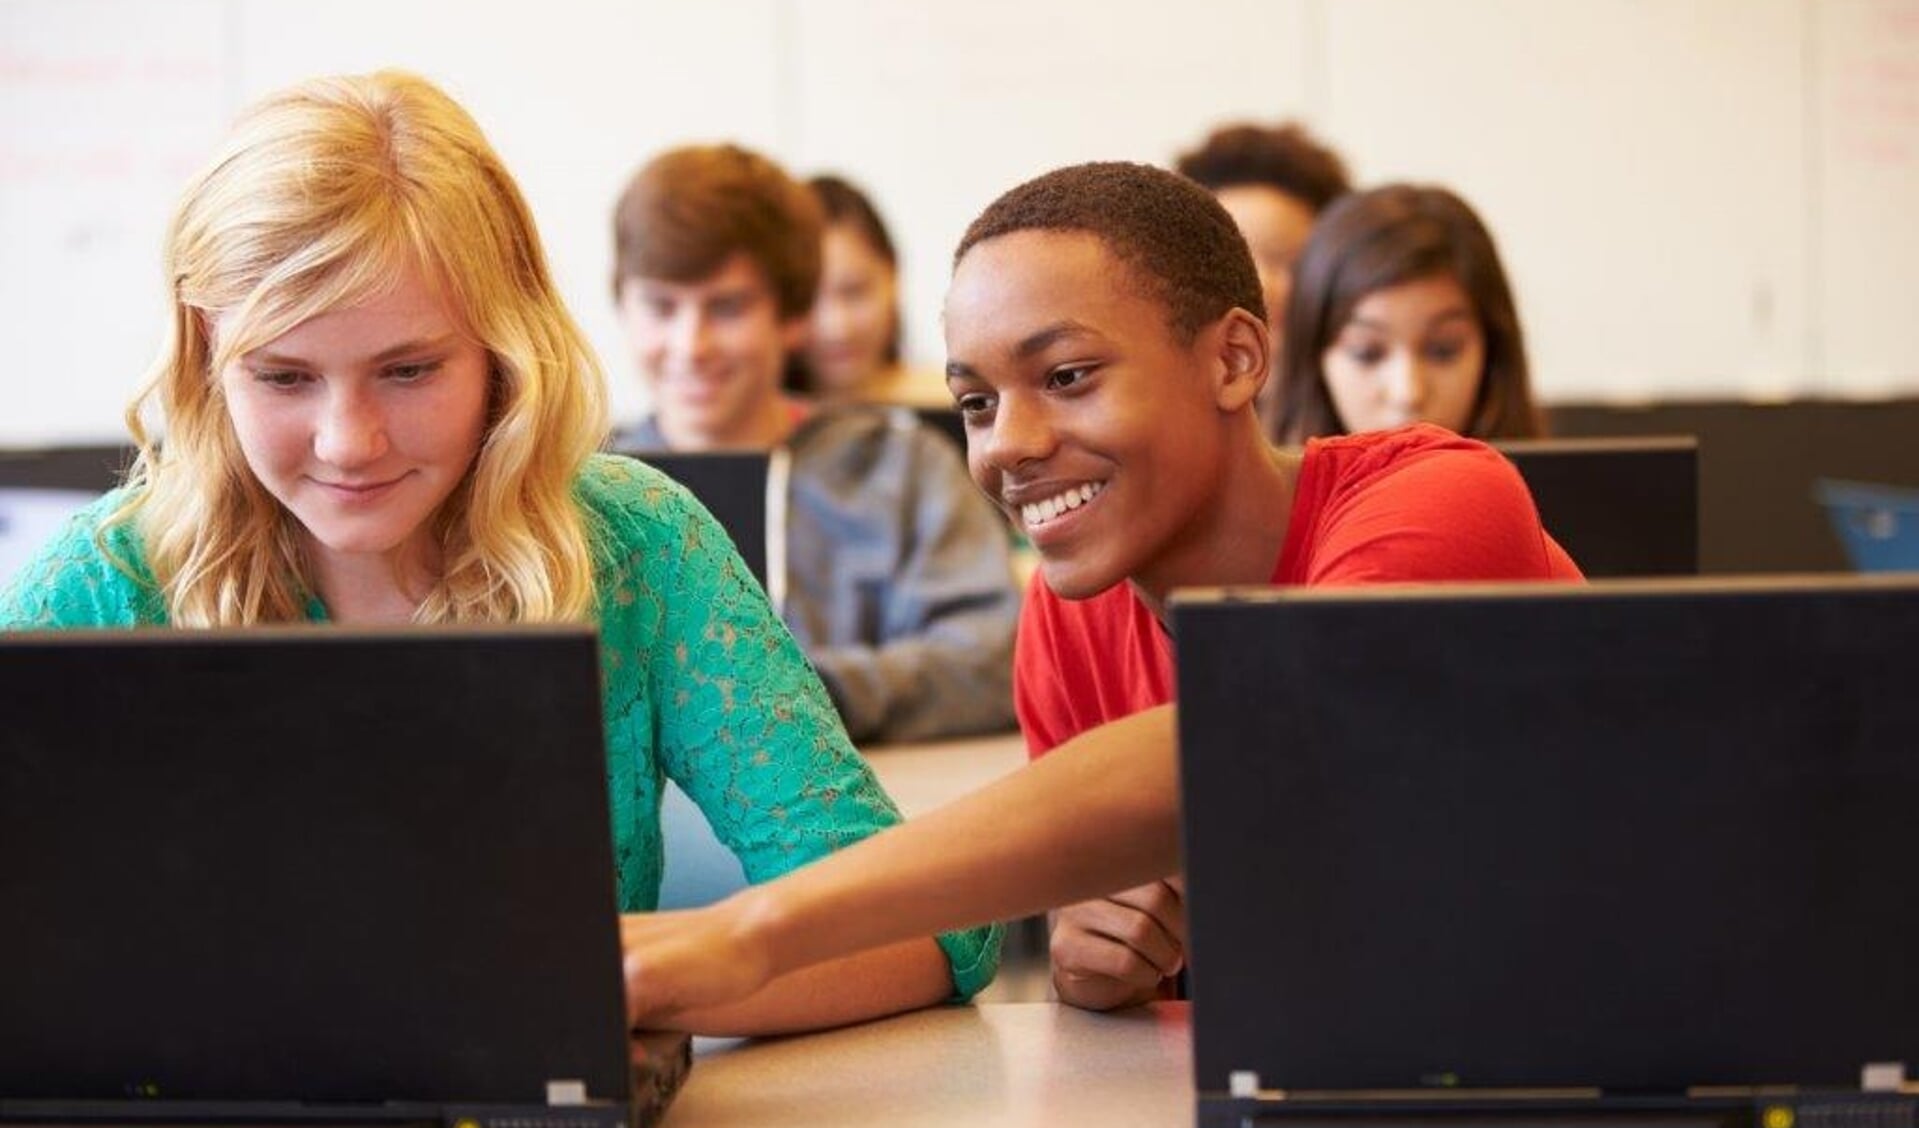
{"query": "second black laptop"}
[(1628, 844)]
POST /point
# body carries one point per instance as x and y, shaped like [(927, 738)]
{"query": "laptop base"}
[(661, 1061), (1831, 1109), (68, 1114)]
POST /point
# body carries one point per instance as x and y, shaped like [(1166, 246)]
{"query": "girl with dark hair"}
[(1401, 313), (853, 347)]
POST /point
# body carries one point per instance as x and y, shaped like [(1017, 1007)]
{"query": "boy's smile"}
[(1049, 510)]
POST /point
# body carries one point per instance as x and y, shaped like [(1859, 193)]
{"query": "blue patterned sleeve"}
[(743, 723)]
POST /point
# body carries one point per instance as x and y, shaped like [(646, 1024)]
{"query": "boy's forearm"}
[(870, 984), (1097, 814)]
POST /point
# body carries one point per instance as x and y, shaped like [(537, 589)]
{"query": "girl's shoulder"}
[(640, 520), (630, 494)]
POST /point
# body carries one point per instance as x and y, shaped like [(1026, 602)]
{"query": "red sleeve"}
[(1461, 513)]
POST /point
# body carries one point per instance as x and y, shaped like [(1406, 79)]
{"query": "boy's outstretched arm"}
[(1099, 813)]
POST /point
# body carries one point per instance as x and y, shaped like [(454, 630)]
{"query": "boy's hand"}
[(681, 961), (1114, 952)]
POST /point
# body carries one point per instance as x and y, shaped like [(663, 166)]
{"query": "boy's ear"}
[(1244, 353)]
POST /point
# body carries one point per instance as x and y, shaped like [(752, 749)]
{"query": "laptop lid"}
[(1621, 507), (1637, 837), (303, 873), (41, 487), (732, 485), (1877, 525)]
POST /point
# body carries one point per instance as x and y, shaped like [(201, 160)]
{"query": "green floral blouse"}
[(701, 684)]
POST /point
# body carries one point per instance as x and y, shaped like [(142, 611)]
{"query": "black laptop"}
[(1624, 507), (732, 484), (308, 875), (1553, 853), (40, 487)]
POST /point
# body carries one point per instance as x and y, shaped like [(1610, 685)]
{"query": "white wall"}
[(1640, 164), (1696, 197)]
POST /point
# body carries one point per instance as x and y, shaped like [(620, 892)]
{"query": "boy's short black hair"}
[(1284, 157), (1169, 230)]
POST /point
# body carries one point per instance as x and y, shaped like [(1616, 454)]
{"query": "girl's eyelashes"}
[(1371, 355), (408, 373), (290, 379), (283, 379)]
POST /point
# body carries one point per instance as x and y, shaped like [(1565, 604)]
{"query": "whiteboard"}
[(1696, 197), (106, 108), (1866, 194)]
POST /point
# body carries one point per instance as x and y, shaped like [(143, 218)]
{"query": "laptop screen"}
[(1640, 836), (306, 867), (1877, 525), (1620, 507)]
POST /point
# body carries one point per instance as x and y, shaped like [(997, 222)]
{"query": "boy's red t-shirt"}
[(1415, 504)]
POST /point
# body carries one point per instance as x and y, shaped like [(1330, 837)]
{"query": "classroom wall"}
[(1697, 198)]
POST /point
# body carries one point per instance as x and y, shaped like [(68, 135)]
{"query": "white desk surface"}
[(1010, 1065), (920, 777)]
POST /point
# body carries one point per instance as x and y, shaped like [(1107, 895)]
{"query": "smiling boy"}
[(1106, 347)]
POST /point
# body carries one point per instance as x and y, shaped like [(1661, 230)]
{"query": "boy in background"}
[(1274, 181), (897, 578)]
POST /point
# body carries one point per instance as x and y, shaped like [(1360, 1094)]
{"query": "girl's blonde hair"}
[(324, 194)]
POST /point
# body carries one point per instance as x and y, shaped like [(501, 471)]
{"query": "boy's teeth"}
[(1039, 512)]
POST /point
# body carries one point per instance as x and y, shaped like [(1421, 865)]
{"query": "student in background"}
[(378, 412), (898, 579), (1274, 181), (852, 353), (1105, 344), (1400, 313)]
